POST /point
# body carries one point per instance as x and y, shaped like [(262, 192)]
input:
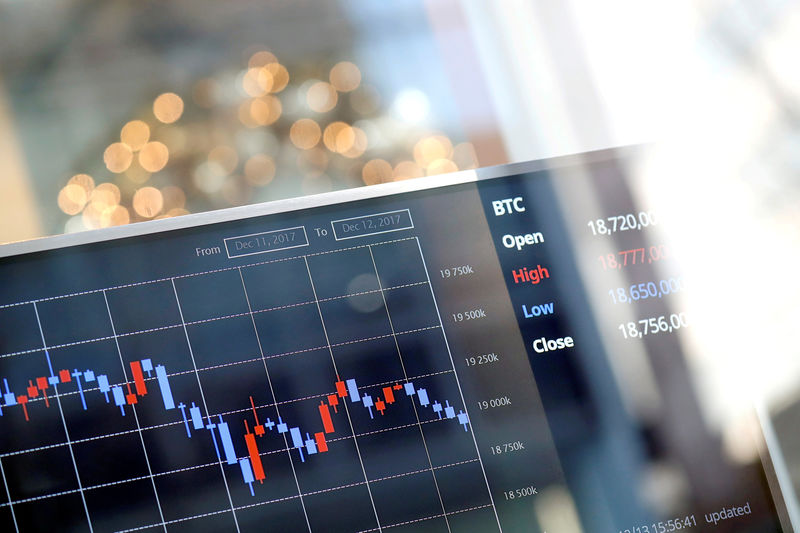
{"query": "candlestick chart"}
[(264, 396)]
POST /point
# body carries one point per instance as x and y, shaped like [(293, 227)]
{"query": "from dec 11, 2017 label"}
[(268, 241)]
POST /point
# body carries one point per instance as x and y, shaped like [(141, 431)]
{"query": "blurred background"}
[(116, 111)]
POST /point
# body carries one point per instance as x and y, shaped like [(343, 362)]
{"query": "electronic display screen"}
[(445, 359)]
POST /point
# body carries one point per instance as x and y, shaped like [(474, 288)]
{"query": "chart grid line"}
[(8, 493), (275, 401), (193, 274), (203, 398), (346, 409), (314, 493), (196, 322), (223, 413), (405, 377), (215, 463), (264, 357), (458, 382), (135, 414), (64, 423), (417, 520)]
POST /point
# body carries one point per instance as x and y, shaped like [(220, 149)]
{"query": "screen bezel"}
[(229, 214), (772, 459)]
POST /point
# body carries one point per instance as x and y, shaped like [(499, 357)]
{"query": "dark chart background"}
[(277, 333), (385, 382)]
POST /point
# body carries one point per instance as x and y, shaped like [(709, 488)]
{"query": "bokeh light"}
[(280, 76), (168, 107), (135, 134), (330, 134), (92, 215), (405, 170), (225, 157), (262, 58), (115, 215), (411, 106), (351, 142), (174, 197), (464, 156), (227, 161), (84, 180), (148, 202), (246, 114), (153, 156), (74, 224), (118, 157), (321, 97), (441, 166), (105, 195), (344, 139), (176, 212), (257, 81), (376, 171), (345, 76), (264, 111), (305, 133), (72, 198), (432, 148), (259, 170), (208, 177)]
